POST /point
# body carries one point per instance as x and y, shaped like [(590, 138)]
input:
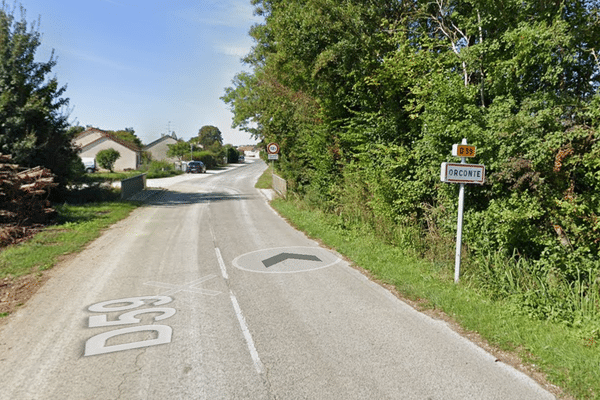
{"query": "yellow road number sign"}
[(462, 150)]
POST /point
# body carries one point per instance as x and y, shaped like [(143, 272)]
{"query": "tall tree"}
[(127, 135), (75, 130), (210, 135), (33, 119), (311, 61), (370, 96), (180, 150)]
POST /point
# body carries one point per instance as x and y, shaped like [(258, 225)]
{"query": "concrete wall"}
[(132, 186), (279, 185)]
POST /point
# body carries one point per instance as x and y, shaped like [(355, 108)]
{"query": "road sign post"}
[(459, 227), (462, 174), (272, 155), (273, 148)]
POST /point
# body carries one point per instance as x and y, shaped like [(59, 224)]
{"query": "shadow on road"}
[(171, 198)]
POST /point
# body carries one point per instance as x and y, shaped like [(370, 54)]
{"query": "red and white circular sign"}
[(273, 148)]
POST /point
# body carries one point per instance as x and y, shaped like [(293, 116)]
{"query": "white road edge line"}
[(221, 264), (247, 335)]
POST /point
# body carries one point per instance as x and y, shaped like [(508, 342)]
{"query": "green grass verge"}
[(265, 181), (119, 176), (78, 225), (558, 351), (112, 176)]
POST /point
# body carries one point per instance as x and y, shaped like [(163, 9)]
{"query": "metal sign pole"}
[(462, 173), (461, 201), (273, 154), (459, 226)]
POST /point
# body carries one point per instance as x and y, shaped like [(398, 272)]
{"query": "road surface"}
[(205, 293)]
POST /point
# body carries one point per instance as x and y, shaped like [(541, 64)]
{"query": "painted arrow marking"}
[(269, 262)]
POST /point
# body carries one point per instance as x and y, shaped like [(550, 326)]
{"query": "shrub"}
[(160, 169), (208, 158), (107, 158)]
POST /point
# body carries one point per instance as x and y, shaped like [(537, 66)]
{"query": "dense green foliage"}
[(107, 158), (213, 151), (33, 123), (127, 135), (232, 154), (366, 99), (161, 169), (210, 159), (209, 137), (179, 150)]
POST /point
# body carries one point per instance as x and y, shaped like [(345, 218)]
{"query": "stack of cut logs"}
[(23, 198)]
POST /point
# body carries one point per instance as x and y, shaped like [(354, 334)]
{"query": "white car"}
[(89, 164)]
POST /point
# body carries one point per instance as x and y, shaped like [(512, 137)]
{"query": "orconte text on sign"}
[(462, 173)]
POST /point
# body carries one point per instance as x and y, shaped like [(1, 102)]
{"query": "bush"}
[(233, 155), (107, 158), (161, 169), (208, 158), (92, 193)]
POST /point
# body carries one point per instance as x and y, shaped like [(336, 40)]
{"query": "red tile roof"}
[(106, 134)]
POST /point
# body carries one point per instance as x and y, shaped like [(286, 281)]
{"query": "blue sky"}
[(151, 65)]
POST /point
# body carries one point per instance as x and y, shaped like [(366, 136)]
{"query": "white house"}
[(159, 148), (92, 140)]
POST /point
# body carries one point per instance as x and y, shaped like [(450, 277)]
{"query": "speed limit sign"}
[(273, 148)]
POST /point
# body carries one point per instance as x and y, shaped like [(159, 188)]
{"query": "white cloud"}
[(232, 50), (231, 13)]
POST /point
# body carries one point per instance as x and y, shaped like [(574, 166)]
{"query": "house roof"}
[(157, 141), (106, 135), (105, 138)]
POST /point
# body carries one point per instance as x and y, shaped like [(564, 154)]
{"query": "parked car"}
[(196, 167), (89, 163)]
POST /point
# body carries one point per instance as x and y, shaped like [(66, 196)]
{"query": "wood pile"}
[(23, 198)]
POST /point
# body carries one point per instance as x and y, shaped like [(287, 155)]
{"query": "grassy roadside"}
[(556, 351), (265, 181), (119, 176), (77, 226)]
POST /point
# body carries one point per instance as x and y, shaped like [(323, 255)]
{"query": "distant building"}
[(249, 151), (93, 140), (159, 148)]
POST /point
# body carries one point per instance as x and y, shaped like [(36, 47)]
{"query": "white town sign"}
[(462, 173)]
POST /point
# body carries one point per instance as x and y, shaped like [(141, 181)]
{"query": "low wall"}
[(131, 186), (279, 185)]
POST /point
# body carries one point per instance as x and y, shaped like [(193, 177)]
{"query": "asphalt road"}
[(206, 293)]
